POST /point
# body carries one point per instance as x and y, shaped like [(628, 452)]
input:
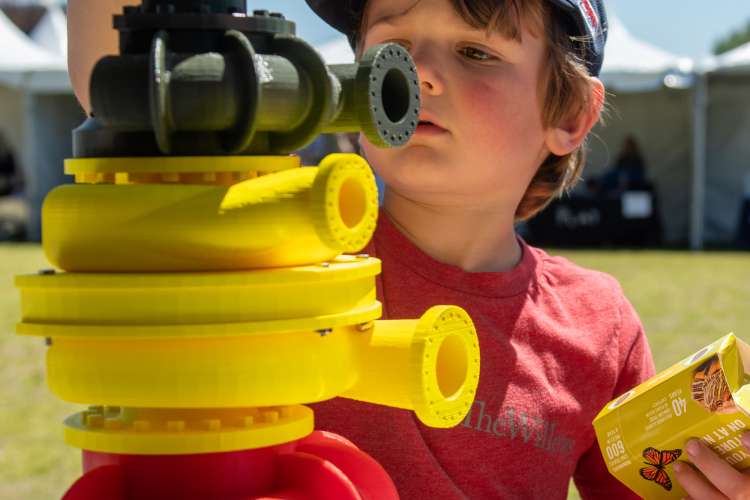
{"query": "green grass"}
[(34, 461), (685, 300)]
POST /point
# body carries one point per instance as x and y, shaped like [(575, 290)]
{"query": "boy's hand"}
[(718, 480)]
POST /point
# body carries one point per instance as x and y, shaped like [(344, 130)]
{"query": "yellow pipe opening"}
[(430, 365)]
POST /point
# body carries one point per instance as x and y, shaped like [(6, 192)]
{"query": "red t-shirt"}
[(557, 343)]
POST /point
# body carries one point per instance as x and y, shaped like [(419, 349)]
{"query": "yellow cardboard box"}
[(706, 395)]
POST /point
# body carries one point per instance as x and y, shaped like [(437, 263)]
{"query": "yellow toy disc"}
[(338, 293)]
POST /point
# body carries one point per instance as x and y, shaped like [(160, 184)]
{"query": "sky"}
[(683, 27)]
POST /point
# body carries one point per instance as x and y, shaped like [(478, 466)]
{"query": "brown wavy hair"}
[(565, 88)]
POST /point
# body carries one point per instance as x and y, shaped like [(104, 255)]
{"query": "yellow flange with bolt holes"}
[(429, 365), (292, 217)]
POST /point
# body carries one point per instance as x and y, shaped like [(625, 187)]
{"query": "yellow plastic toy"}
[(202, 300), (272, 337)]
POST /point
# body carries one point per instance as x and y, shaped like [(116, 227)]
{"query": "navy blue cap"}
[(585, 21)]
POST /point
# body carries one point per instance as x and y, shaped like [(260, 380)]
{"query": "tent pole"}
[(697, 209)]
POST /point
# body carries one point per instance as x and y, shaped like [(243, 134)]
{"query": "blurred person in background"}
[(10, 179), (13, 209), (743, 227), (628, 171), (326, 144)]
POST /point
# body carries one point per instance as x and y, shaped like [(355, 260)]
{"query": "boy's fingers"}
[(694, 483), (723, 476)]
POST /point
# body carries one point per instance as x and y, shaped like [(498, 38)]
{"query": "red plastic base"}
[(321, 466)]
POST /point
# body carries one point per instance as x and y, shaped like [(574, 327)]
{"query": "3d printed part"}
[(287, 218)]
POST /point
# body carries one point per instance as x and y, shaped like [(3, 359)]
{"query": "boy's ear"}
[(564, 138)]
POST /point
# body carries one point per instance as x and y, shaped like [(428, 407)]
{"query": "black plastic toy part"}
[(202, 78)]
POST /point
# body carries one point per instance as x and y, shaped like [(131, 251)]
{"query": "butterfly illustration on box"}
[(656, 461)]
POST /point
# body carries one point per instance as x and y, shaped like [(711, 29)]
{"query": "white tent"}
[(336, 51), (632, 65), (651, 96), (51, 32), (735, 60), (37, 112), (727, 79), (23, 64)]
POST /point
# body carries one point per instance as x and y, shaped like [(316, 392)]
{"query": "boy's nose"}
[(430, 78), (429, 82)]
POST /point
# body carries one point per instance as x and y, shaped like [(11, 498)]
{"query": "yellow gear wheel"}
[(89, 168), (180, 432)]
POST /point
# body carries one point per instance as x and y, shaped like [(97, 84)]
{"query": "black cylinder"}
[(194, 6)]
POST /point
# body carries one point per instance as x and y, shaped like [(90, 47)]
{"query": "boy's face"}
[(481, 92)]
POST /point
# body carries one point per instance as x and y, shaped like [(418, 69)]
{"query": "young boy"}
[(509, 93), (507, 102)]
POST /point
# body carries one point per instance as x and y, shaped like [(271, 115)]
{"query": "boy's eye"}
[(403, 43), (476, 54)]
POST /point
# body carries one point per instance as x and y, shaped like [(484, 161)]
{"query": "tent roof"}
[(631, 64), (52, 31), (736, 60), (337, 51), (24, 64)]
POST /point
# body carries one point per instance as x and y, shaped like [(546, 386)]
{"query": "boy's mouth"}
[(428, 126)]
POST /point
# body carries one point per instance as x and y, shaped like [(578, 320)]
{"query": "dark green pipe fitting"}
[(232, 99)]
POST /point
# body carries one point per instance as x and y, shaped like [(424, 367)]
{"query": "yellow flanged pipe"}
[(429, 365), (287, 218), (128, 355)]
